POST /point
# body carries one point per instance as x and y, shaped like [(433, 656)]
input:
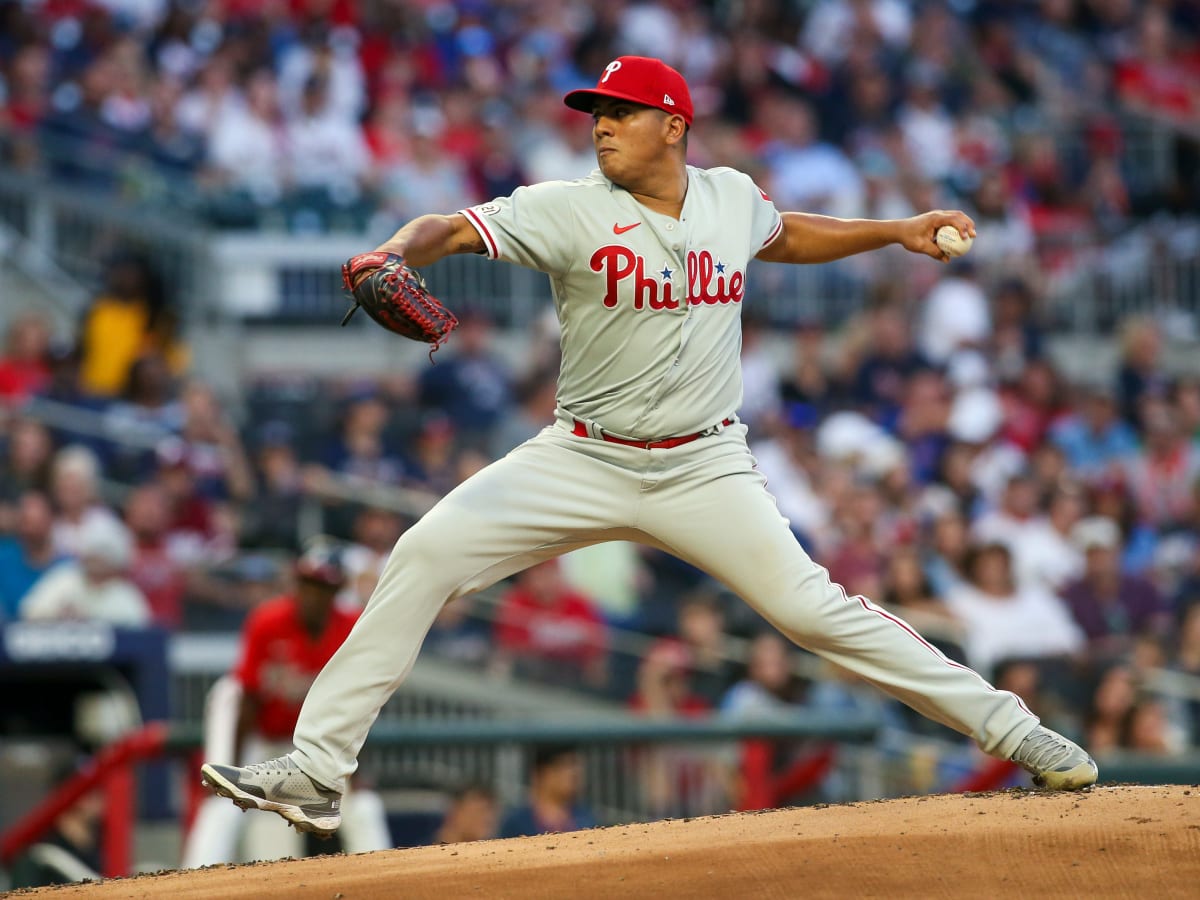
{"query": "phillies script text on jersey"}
[(707, 282)]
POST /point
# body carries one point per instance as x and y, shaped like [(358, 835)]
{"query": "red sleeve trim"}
[(774, 233), (474, 218)]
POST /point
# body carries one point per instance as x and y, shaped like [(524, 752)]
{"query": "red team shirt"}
[(279, 660)]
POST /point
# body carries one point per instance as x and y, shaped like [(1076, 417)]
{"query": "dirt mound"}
[(1109, 842)]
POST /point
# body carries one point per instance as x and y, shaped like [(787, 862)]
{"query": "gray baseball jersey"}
[(649, 305)]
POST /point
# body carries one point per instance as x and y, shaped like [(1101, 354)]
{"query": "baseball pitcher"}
[(647, 258)]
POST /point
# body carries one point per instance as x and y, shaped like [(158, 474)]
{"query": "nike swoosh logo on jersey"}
[(621, 229)]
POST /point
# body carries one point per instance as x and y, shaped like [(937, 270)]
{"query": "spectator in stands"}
[(809, 381), (174, 152), (946, 553), (921, 422), (1146, 729), (883, 374), (926, 126), (555, 786), (663, 682), (1016, 525), (95, 587), (462, 634), (74, 490), (270, 521), (1140, 376), (473, 386), (857, 560), (955, 315), (674, 780), (1000, 213), (1112, 699), (907, 589), (214, 448), (1110, 607), (834, 26), (473, 815), (567, 153), (26, 463), (1094, 438), (359, 451), (1003, 618), (806, 172), (1032, 404), (535, 401), (1161, 474), (1185, 658), (26, 554), (148, 412), (374, 532), (156, 572), (702, 628), (24, 368), (770, 684), (432, 461), (28, 85), (1158, 76), (194, 528), (1111, 498), (429, 178), (80, 147), (543, 627), (214, 97), (328, 162), (788, 461), (129, 319), (247, 150), (66, 388)]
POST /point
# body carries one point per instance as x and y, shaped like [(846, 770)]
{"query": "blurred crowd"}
[(350, 114), (1044, 529)]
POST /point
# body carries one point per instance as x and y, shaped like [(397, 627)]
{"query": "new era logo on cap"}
[(639, 79)]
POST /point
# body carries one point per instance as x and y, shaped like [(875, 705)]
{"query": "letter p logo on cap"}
[(609, 69)]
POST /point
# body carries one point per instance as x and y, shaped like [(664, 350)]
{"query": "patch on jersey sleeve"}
[(490, 209), (763, 194)]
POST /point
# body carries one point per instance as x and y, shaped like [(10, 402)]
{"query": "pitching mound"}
[(1109, 842)]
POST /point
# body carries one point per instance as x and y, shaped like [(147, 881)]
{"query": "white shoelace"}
[(280, 765), (1043, 750)]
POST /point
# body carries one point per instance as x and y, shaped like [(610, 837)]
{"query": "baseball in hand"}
[(951, 242)]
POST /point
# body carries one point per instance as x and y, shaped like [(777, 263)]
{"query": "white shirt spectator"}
[(1030, 623), (251, 152), (65, 594), (956, 315), (831, 25), (323, 151), (818, 178), (1042, 557), (93, 587), (930, 138), (340, 65), (789, 484), (68, 536)]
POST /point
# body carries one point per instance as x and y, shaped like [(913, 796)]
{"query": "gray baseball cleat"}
[(1055, 763), (278, 785)]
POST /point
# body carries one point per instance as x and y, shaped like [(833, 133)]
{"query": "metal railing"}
[(226, 278)]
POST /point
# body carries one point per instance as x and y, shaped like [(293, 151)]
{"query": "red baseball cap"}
[(640, 79)]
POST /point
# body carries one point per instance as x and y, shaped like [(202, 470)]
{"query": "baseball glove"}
[(396, 297)]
